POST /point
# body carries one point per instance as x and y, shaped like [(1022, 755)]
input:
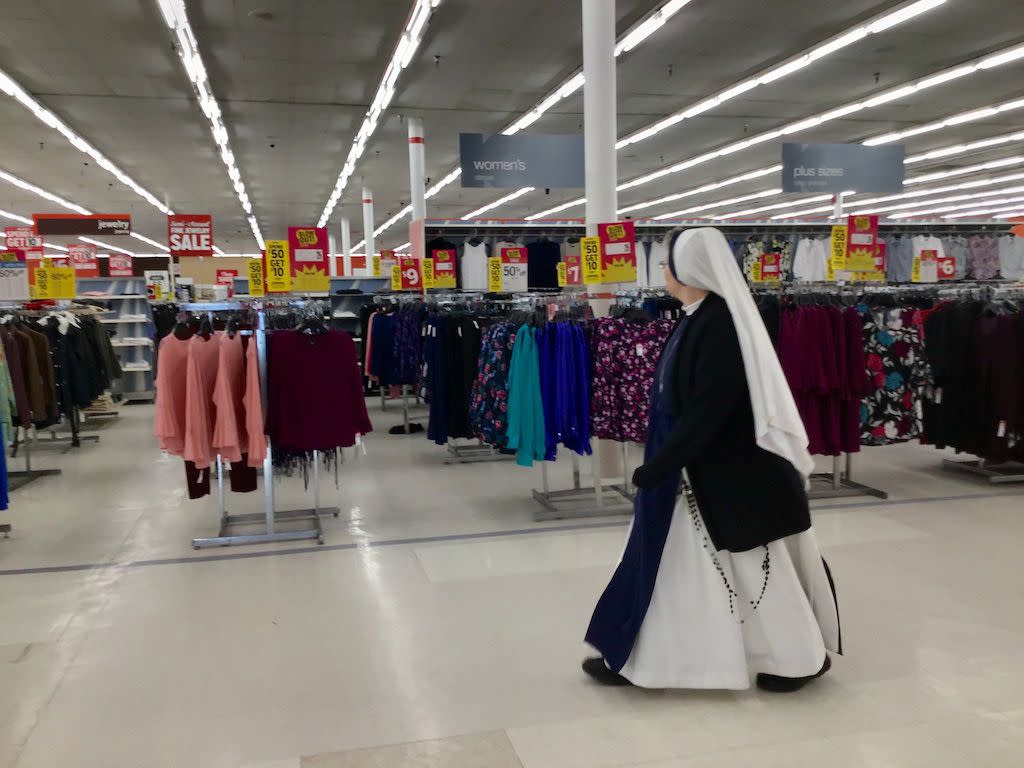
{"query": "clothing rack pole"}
[(270, 516)]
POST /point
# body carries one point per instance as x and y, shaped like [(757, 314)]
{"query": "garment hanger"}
[(206, 327)]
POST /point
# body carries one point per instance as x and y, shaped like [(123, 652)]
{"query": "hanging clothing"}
[(488, 410), (200, 408), (473, 268), (810, 264), (12, 354), (1011, 257), (657, 256), (229, 436), (253, 400), (542, 267), (526, 432), (321, 412), (984, 258), (642, 270), (171, 389)]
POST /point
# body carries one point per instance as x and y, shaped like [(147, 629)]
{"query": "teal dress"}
[(525, 432)]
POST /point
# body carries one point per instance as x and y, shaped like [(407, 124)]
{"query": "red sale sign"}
[(83, 259), (573, 269), (190, 234), (946, 267), (412, 276), (770, 267), (309, 248), (227, 277), (120, 265), (618, 251), (30, 244)]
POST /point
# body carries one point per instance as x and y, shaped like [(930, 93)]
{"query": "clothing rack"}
[(996, 473), (270, 515)]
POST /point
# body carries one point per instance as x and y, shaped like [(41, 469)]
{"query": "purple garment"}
[(984, 258)]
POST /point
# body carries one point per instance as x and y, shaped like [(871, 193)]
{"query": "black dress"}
[(748, 497)]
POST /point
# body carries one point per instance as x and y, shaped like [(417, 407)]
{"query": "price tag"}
[(946, 267), (429, 280), (279, 273), (590, 247), (411, 273), (755, 272), (62, 282), (494, 274), (563, 278), (444, 268), (256, 287), (376, 264), (514, 269), (396, 277)]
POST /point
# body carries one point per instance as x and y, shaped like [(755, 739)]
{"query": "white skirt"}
[(716, 619)]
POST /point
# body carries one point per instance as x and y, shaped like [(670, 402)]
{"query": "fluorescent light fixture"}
[(556, 209), (958, 119), (402, 247), (719, 203), (401, 57), (18, 182), (19, 94), (977, 209), (774, 206), (107, 246), (500, 201), (188, 50), (150, 241), (15, 217), (749, 176)]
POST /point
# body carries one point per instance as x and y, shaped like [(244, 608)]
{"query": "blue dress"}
[(622, 607)]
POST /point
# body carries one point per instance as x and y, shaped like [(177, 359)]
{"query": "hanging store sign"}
[(84, 260), (410, 276), (767, 269), (388, 259), (618, 252), (190, 234), (925, 267), (23, 238), (590, 250), (861, 243), (82, 224), (309, 249), (429, 276), (120, 265), (523, 160), (13, 276), (375, 265), (55, 283), (256, 284), (278, 271), (573, 269), (837, 168), (494, 274), (515, 270), (444, 268), (945, 267)]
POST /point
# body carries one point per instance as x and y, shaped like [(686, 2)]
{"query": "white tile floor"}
[(465, 651)]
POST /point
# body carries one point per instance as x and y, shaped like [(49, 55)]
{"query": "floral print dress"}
[(488, 408), (897, 376)]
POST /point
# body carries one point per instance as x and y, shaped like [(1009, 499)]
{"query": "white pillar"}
[(838, 211), (599, 135), (332, 264), (599, 112), (346, 245), (417, 169), (368, 248)]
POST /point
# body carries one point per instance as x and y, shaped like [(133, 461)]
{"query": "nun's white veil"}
[(702, 258)]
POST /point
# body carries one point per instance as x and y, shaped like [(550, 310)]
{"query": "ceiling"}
[(294, 80)]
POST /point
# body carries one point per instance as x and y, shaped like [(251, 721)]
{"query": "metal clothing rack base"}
[(1007, 472), (579, 502), (839, 484), (474, 454), (19, 478)]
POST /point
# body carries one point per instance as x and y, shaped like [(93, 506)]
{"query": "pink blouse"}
[(172, 368), (200, 411)]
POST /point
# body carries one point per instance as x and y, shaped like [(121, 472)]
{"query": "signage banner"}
[(767, 269), (429, 276), (861, 243), (946, 267), (309, 248), (158, 284), (120, 265), (278, 271), (375, 268), (33, 264), (13, 276), (522, 160), (256, 285), (388, 259), (82, 224), (444, 268), (83, 259), (190, 234), (573, 269), (837, 259), (23, 238), (396, 277), (618, 252), (227, 277), (925, 268), (494, 274), (590, 248), (809, 168), (410, 274), (562, 274), (62, 282), (515, 271)]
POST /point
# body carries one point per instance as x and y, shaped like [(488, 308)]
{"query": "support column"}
[(599, 135), (599, 112), (346, 245), (417, 187), (332, 252), (369, 249)]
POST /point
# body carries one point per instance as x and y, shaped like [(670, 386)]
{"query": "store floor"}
[(441, 626)]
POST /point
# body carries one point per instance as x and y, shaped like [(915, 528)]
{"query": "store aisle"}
[(441, 627)]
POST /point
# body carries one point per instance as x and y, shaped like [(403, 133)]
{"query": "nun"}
[(721, 581)]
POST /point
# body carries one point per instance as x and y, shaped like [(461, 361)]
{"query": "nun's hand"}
[(644, 478)]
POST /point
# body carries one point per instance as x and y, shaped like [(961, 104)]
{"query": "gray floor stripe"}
[(309, 550)]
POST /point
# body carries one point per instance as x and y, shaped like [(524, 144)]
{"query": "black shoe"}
[(598, 670), (777, 684)]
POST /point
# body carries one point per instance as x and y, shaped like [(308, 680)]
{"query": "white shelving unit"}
[(132, 325)]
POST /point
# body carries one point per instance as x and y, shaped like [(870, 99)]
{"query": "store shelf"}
[(124, 296), (131, 368), (132, 343), (131, 319)]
